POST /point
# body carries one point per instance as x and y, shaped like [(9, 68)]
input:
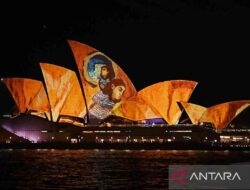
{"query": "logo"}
[(179, 176), (223, 176), (209, 177)]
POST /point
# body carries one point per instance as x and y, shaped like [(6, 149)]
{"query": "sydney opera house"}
[(98, 103)]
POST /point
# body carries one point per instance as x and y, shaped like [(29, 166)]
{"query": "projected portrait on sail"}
[(100, 73), (99, 70)]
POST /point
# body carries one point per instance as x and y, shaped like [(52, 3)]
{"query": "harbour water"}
[(101, 169)]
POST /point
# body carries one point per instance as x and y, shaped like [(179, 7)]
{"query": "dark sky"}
[(152, 40)]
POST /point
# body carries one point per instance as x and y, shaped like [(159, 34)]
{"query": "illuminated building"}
[(99, 103)]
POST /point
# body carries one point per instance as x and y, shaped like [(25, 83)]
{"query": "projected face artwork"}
[(117, 92), (104, 100), (99, 71)]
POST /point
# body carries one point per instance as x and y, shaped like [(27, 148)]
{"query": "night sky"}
[(152, 40)]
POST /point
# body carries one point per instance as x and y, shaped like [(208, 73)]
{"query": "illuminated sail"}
[(90, 62), (194, 111), (163, 97), (222, 114), (135, 109), (29, 95), (63, 90)]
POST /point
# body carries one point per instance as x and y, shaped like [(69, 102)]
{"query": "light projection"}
[(135, 109), (104, 89), (222, 114), (29, 95), (157, 101), (103, 81), (193, 111), (163, 97), (64, 91)]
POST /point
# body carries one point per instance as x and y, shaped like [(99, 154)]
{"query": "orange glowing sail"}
[(222, 114), (41, 104), (29, 95), (135, 109), (74, 104), (163, 97), (90, 62), (194, 111), (63, 90)]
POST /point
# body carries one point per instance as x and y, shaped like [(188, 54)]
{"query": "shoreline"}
[(128, 146)]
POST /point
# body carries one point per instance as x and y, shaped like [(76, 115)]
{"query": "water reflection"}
[(100, 169)]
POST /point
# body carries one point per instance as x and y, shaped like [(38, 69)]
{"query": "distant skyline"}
[(152, 41)]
